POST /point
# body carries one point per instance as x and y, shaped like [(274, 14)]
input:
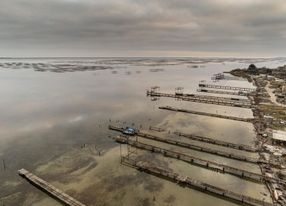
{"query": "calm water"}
[(55, 125)]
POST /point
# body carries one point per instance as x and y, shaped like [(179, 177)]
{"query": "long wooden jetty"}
[(192, 183), (222, 76), (206, 114), (238, 93), (194, 147), (192, 137), (157, 129), (211, 165), (203, 99), (217, 142), (232, 99), (201, 148), (51, 190), (215, 86)]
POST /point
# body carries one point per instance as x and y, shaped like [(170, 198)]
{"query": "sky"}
[(63, 28)]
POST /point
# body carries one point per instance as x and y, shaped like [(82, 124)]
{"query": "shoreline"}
[(262, 128)]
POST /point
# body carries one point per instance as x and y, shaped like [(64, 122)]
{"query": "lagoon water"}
[(55, 124)]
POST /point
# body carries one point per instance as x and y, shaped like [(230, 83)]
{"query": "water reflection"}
[(55, 123)]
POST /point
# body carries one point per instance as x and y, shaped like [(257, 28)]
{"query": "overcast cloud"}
[(142, 27)]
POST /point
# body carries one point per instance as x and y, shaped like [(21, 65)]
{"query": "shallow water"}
[(55, 125)]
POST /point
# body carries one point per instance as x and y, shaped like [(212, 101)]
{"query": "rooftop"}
[(279, 135)]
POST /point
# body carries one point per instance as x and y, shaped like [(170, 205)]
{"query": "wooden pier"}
[(233, 102), (157, 129), (222, 76), (201, 148), (234, 99), (217, 142), (51, 190), (211, 165), (206, 114), (215, 86), (195, 184), (216, 98), (238, 93), (195, 147)]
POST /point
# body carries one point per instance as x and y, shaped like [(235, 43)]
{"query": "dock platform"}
[(210, 165), (206, 114), (234, 102), (201, 148), (217, 142), (215, 86), (195, 147), (212, 91), (51, 190), (192, 183)]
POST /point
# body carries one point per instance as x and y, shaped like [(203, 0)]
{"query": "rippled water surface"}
[(54, 119)]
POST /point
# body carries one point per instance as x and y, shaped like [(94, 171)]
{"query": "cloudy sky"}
[(143, 28)]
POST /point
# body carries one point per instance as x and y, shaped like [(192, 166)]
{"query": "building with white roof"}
[(279, 137)]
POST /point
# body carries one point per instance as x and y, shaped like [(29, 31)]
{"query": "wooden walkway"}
[(202, 96), (238, 93), (217, 142), (195, 147), (51, 190), (206, 114), (204, 99), (232, 99), (215, 86), (195, 184), (211, 165), (202, 149), (157, 129)]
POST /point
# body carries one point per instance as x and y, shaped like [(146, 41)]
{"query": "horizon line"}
[(61, 57)]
